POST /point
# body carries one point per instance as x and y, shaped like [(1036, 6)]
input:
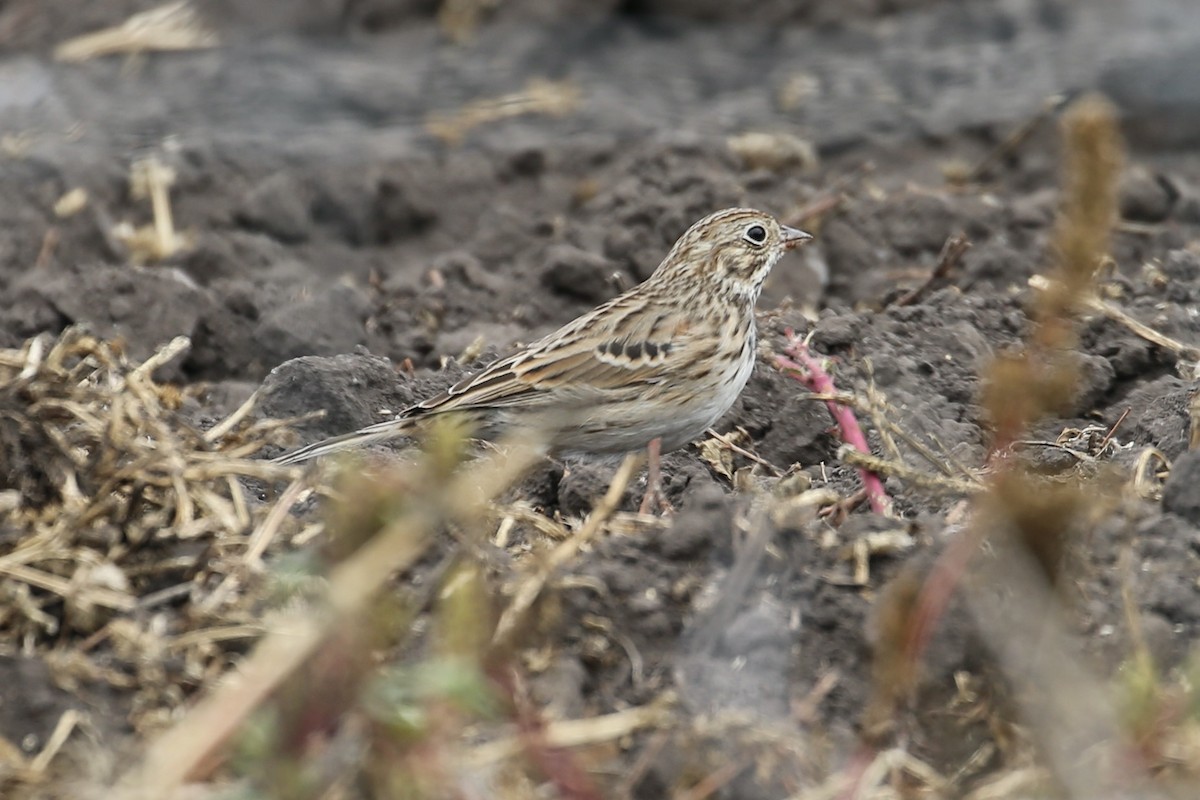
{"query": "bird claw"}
[(654, 497), (654, 493)]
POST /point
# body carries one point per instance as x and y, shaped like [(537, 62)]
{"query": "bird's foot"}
[(654, 496)]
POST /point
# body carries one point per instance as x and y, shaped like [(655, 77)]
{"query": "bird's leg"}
[(654, 493)]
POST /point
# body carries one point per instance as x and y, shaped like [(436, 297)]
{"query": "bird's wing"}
[(620, 345), (623, 344)]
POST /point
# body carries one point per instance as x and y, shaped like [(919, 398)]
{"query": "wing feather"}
[(634, 348)]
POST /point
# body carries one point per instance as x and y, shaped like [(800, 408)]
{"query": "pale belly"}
[(677, 417)]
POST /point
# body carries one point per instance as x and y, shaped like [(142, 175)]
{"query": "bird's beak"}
[(793, 236)]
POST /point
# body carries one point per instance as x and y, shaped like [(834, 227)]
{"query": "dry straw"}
[(109, 497)]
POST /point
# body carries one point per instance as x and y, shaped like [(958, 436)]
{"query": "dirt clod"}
[(1179, 496)]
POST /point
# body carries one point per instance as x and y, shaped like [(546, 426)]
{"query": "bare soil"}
[(345, 258)]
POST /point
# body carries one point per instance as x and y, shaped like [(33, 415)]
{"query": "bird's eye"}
[(756, 235)]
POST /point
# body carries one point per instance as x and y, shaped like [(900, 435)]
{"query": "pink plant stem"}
[(801, 365)]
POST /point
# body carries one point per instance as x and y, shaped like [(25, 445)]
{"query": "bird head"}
[(731, 251)]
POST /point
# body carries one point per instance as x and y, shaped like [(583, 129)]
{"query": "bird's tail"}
[(379, 432)]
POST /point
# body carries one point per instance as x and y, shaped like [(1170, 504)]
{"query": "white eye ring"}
[(756, 235)]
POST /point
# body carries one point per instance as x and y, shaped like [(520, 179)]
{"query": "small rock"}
[(918, 223), (1144, 196), (399, 211), (998, 264), (835, 330), (343, 204), (706, 518), (584, 482), (146, 306), (322, 324), (528, 162), (278, 207), (1181, 494), (1182, 266), (1051, 460), (351, 390), (1096, 377), (1159, 415), (1187, 208), (463, 268)]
